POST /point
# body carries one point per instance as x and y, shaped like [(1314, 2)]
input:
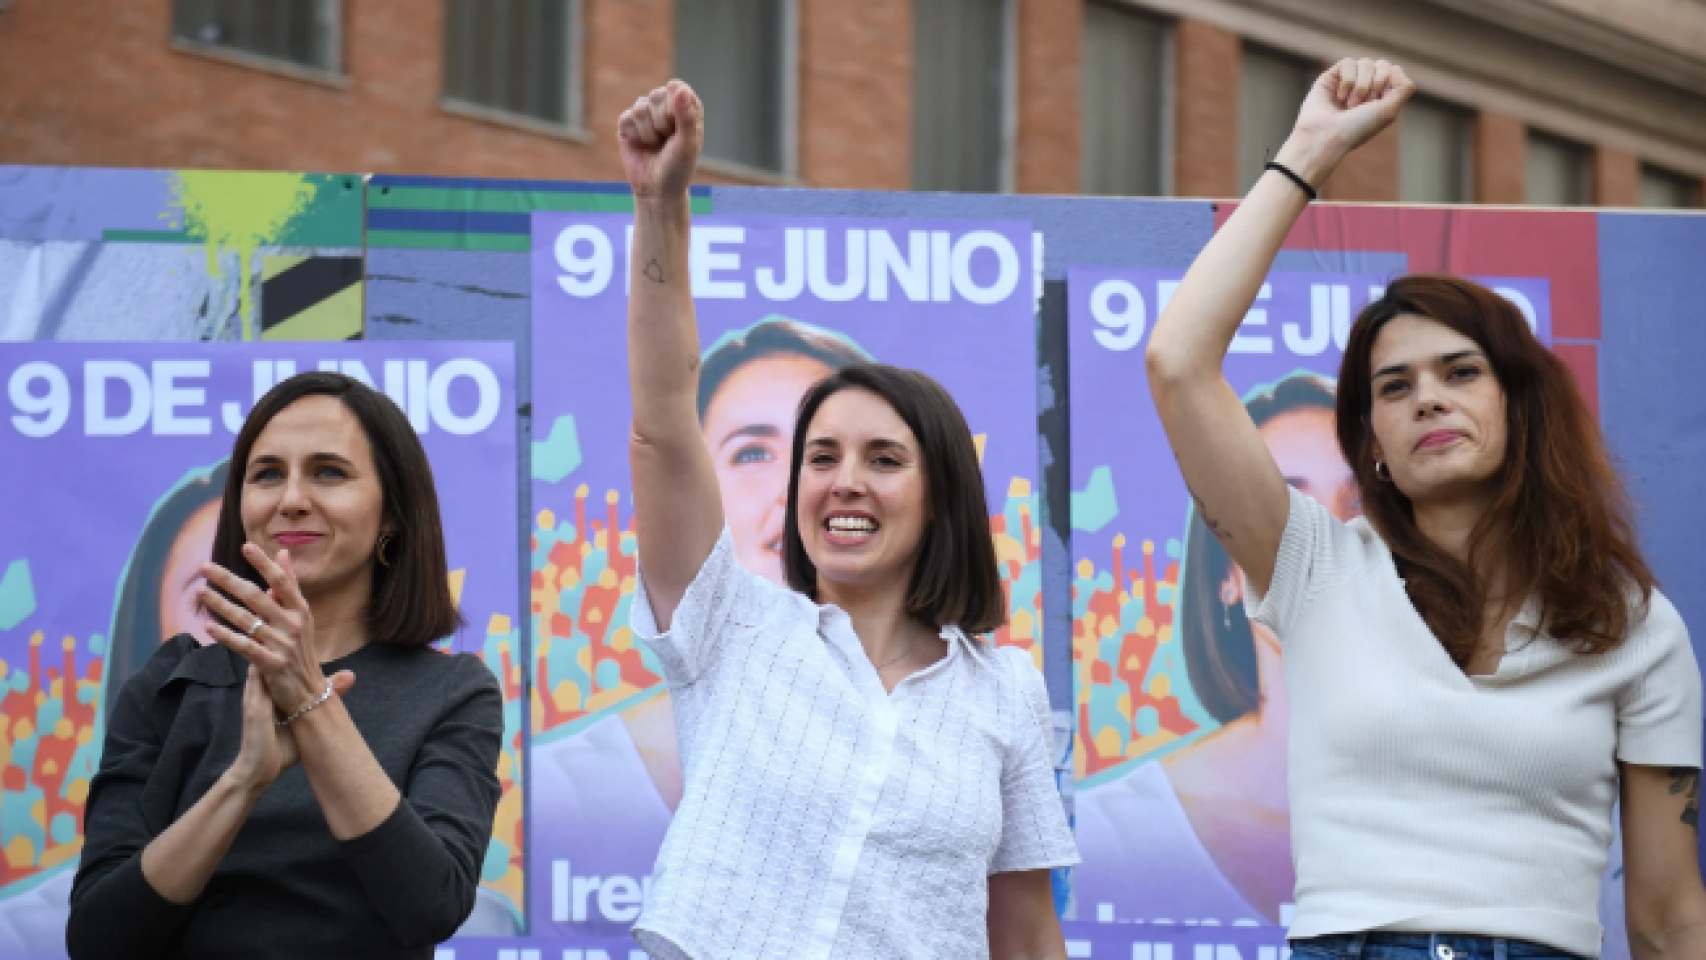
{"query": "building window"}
[(1662, 188), (960, 93), (1557, 172), (736, 54), (1433, 153), (301, 32), (1124, 102), (1271, 88), (516, 57)]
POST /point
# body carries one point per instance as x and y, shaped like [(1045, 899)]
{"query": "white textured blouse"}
[(823, 816), (1429, 801)]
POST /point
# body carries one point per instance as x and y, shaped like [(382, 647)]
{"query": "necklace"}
[(894, 660)]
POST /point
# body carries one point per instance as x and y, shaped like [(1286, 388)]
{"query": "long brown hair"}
[(411, 603), (1567, 537)]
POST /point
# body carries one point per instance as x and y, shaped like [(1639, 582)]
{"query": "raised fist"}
[(660, 136), (1351, 102)]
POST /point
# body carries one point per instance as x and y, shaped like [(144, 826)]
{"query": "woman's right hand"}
[(1347, 106), (268, 749), (660, 137)]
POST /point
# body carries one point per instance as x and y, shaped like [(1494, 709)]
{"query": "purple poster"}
[(1181, 795), (115, 460), (781, 302)]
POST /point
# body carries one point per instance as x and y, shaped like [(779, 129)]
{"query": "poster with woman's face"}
[(781, 304), (1182, 808), (116, 471)]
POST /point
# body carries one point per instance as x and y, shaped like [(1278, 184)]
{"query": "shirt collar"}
[(953, 633)]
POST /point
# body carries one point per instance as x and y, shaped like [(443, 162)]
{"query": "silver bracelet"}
[(323, 698)]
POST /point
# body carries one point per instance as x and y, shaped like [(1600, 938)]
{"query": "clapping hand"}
[(277, 639)]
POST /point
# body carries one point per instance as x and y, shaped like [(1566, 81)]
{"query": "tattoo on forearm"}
[(1214, 527), (1686, 781), (654, 271)]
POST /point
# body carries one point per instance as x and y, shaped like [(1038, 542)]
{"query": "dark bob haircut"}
[(1564, 524), (1220, 650), (956, 580), (770, 337), (411, 603), (136, 633)]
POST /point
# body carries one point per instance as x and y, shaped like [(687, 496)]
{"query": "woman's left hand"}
[(280, 636)]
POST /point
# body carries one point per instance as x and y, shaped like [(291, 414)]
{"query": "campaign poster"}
[(1181, 795), (88, 253), (781, 303), (116, 459)]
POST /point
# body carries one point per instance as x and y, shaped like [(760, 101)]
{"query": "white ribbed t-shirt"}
[(1426, 800)]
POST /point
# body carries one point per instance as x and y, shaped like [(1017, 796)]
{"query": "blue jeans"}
[(1421, 946)]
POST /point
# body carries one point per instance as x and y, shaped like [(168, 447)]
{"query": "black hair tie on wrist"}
[(1302, 184)]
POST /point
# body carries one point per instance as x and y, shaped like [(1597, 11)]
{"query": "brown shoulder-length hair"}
[(411, 603), (1561, 513), (956, 580)]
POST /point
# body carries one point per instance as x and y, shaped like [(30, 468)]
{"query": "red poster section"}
[(1560, 245)]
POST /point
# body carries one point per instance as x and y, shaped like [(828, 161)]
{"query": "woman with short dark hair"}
[(252, 800), (864, 777), (1481, 666), (751, 382)]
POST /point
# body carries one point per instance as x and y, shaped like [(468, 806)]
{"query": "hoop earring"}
[(379, 551), (1387, 476)]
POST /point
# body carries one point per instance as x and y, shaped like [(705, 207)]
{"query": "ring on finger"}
[(259, 623)]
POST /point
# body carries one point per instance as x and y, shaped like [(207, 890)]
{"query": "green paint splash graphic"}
[(239, 212)]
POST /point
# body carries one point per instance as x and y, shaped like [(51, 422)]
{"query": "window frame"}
[(1309, 69), (1166, 91), (788, 136), (1692, 186), (572, 127), (1008, 177), (1465, 116), (336, 75), (1007, 120), (1583, 154)]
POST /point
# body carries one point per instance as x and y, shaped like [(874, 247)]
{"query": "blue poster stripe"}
[(542, 186), (449, 221)]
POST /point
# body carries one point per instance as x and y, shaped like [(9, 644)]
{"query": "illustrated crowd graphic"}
[(586, 660), (1128, 667)]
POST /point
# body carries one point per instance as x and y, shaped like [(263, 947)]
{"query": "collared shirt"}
[(824, 816), (1426, 800)]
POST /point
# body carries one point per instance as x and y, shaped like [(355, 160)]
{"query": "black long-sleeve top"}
[(287, 887)]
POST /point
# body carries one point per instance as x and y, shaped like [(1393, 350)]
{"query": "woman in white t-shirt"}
[(1481, 667), (863, 777)]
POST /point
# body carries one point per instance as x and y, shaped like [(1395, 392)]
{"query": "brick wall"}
[(855, 120), (1500, 152), (1370, 173), (629, 48), (1051, 35), (1205, 126), (1616, 178), (97, 83)]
